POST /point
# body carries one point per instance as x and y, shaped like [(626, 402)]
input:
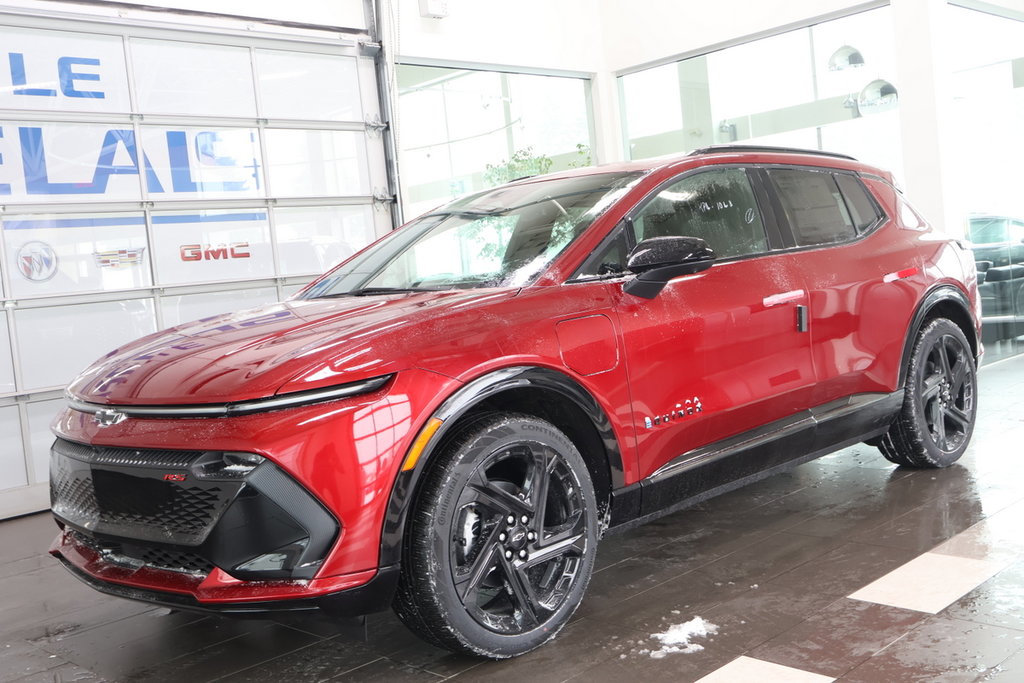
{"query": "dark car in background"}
[(998, 246), (999, 240)]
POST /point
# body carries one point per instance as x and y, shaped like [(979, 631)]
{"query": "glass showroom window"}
[(462, 130), (153, 176), (987, 62), (828, 86)]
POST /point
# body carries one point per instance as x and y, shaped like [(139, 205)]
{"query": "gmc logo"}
[(210, 252)]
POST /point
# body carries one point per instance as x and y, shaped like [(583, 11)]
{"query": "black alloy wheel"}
[(502, 543), (940, 402)]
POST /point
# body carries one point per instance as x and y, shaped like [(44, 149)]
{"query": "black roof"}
[(739, 149)]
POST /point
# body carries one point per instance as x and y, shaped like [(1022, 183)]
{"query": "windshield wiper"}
[(480, 213), (368, 291)]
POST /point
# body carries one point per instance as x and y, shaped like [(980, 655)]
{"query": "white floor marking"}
[(750, 670), (930, 582)]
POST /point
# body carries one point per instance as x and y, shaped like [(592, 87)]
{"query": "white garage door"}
[(151, 175)]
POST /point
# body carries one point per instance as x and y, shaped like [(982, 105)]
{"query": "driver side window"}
[(717, 206)]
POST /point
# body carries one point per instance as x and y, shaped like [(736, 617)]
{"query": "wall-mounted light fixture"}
[(434, 9), (877, 96), (846, 57)]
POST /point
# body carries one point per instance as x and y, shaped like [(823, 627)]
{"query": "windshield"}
[(500, 238), (995, 229)]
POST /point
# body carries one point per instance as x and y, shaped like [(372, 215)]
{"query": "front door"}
[(721, 352)]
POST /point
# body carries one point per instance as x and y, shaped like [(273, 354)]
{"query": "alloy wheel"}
[(518, 538), (947, 393)]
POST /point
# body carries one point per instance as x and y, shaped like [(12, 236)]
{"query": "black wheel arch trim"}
[(464, 400), (938, 295)]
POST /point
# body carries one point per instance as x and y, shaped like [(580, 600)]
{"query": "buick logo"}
[(37, 261), (107, 417)]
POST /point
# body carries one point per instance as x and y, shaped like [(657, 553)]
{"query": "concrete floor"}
[(771, 566)]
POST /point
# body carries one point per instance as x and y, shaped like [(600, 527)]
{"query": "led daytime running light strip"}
[(259, 405)]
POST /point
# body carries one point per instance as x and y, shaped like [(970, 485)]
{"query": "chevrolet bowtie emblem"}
[(107, 417)]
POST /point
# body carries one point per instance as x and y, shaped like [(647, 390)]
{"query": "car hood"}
[(279, 348)]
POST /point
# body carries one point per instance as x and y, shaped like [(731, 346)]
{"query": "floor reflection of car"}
[(998, 245)]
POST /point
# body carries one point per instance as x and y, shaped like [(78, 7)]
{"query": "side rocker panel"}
[(727, 465)]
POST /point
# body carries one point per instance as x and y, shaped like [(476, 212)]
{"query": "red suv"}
[(450, 420)]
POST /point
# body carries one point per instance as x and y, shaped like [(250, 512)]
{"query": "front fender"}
[(461, 403)]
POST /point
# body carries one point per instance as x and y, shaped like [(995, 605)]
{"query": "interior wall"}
[(331, 13), (648, 31), (581, 35), (565, 35)]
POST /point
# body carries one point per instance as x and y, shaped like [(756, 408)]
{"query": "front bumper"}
[(341, 456), (189, 511), (360, 593)]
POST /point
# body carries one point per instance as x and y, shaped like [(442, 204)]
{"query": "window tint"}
[(989, 230), (609, 258), (814, 206), (718, 206), (862, 210)]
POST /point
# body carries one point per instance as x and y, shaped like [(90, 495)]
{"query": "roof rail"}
[(713, 149)]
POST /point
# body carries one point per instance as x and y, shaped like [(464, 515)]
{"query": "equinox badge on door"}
[(681, 410)]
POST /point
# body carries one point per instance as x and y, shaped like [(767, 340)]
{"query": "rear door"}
[(862, 273)]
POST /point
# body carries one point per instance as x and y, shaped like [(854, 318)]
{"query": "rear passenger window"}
[(863, 211), (813, 206), (717, 205)]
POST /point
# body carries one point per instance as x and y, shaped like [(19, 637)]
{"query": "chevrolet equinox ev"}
[(451, 419)]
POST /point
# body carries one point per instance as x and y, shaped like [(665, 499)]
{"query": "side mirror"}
[(659, 259)]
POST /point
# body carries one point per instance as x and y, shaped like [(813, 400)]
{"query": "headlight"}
[(114, 414), (226, 465)]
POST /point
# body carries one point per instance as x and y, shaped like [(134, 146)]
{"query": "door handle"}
[(802, 318), (783, 298)]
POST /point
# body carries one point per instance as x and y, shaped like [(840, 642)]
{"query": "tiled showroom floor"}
[(845, 568)]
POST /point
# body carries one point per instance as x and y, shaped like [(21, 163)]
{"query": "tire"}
[(940, 401), (475, 577)]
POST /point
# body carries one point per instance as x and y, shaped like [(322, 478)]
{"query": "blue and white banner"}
[(64, 162)]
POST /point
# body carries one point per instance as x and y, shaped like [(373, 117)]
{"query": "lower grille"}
[(154, 557), (189, 511), (175, 561), (125, 492)]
